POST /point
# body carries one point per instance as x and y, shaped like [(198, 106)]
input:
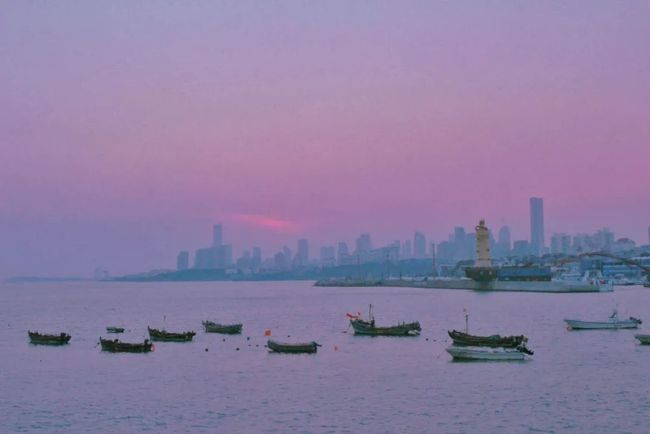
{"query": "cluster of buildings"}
[(460, 246)]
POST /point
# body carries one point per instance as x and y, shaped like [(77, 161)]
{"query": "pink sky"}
[(127, 129)]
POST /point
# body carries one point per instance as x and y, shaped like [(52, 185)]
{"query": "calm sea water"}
[(589, 381)]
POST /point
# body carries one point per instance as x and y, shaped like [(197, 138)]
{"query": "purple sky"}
[(127, 129)]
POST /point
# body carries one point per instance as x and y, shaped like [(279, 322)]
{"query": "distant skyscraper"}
[(303, 252), (504, 238), (363, 243), (205, 258), (217, 235), (560, 244), (183, 260), (536, 225), (407, 252), (521, 248), (224, 256), (419, 245), (327, 255), (288, 255), (256, 260), (342, 254)]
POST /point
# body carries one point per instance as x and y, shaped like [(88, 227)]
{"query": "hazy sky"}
[(128, 128)]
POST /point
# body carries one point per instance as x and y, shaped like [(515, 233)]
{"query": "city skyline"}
[(128, 130)]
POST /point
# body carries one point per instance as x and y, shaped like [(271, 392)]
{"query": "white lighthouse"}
[(483, 257)]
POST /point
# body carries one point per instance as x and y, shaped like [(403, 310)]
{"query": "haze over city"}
[(127, 130)]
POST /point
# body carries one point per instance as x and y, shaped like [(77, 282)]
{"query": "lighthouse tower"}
[(483, 257)]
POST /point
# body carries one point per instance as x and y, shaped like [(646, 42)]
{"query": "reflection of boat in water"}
[(368, 328), (494, 341), (283, 347), (613, 323), (485, 353)]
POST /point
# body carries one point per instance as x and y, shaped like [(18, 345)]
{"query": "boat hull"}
[(643, 339), (601, 325), (228, 329), (115, 346), (282, 347), (164, 336), (114, 329), (43, 339), (365, 328), (484, 353), (494, 341)]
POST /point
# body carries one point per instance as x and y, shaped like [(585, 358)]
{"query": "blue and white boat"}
[(612, 323)]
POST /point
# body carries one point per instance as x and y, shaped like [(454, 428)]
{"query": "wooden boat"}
[(487, 353), (368, 328), (162, 335), (644, 339), (230, 329), (283, 347), (613, 322), (115, 346), (114, 329), (43, 339), (465, 339)]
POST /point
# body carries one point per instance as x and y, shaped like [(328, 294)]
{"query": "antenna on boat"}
[(466, 320)]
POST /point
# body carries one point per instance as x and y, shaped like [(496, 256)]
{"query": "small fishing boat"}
[(368, 328), (44, 339), (494, 341), (283, 347), (114, 329), (162, 335), (229, 329), (115, 346), (614, 322), (644, 339), (486, 353)]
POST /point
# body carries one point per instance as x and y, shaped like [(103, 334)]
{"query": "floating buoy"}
[(336, 348), (426, 339), (237, 349), (248, 338), (224, 339), (206, 350), (267, 332)]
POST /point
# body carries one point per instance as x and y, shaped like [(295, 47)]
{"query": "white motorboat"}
[(487, 353), (613, 322)]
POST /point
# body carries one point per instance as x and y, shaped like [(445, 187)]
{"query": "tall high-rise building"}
[(363, 243), (419, 245), (342, 254), (217, 235), (224, 256), (406, 250), (183, 260), (302, 256), (327, 256), (537, 225), (504, 238), (205, 259), (560, 244), (256, 259)]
